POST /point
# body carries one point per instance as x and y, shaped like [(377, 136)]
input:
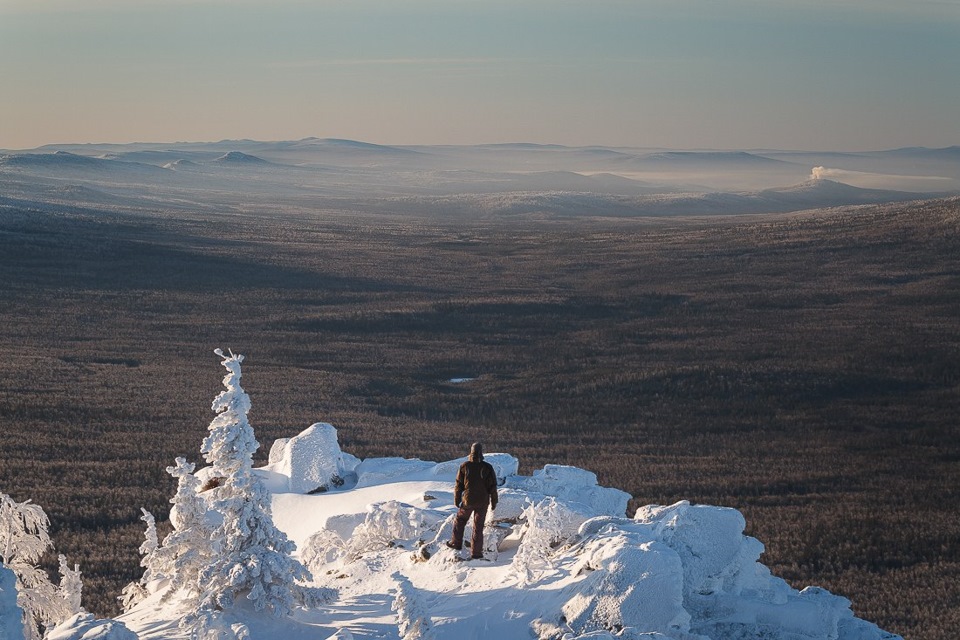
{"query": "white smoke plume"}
[(818, 173)]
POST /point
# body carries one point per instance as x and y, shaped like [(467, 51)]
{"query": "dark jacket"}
[(476, 484)]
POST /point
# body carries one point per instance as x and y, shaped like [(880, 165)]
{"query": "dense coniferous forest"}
[(804, 368)]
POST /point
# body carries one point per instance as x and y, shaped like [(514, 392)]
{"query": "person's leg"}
[(476, 542), (459, 524)]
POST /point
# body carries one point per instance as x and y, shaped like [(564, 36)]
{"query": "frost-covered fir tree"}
[(71, 588), (187, 550), (135, 592), (252, 558), (23, 539), (150, 541)]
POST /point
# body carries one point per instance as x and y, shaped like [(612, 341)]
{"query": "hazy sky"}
[(816, 74)]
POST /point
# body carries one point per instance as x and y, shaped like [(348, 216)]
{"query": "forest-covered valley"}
[(803, 368)]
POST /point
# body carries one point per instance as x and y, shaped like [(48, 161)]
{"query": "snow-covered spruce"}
[(71, 588), (252, 558), (150, 541), (174, 566), (135, 592)]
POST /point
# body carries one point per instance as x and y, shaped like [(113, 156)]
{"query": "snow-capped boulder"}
[(716, 555), (577, 487), (631, 584), (510, 505), (85, 626), (277, 450), (344, 524), (503, 464), (11, 616), (311, 460), (376, 471), (687, 571)]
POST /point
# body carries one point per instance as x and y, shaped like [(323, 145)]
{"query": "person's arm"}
[(492, 488), (458, 487)]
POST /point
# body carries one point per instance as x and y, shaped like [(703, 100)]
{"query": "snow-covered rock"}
[(628, 584), (85, 626), (11, 616), (311, 460), (577, 487), (716, 556), (503, 464), (377, 471), (688, 571)]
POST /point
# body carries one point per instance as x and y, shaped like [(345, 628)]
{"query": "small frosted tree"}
[(150, 541), (136, 592), (187, 550), (71, 588), (252, 557), (23, 539)]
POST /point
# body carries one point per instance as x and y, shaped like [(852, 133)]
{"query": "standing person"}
[(476, 488)]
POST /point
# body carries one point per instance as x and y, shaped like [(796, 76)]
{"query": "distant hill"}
[(240, 158), (945, 153), (64, 162), (710, 157), (829, 193)]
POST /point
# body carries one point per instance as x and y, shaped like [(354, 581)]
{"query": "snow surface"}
[(564, 563), (11, 627), (85, 626)]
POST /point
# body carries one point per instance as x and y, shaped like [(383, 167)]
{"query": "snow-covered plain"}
[(561, 560)]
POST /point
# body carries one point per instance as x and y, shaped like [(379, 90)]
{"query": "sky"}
[(691, 74)]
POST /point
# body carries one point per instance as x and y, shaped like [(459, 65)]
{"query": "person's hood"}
[(476, 452)]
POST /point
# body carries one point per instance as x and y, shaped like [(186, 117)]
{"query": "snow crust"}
[(562, 561)]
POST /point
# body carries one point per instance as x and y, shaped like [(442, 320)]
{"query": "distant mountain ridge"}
[(492, 179)]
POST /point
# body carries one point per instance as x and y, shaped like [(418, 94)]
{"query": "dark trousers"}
[(479, 517)]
